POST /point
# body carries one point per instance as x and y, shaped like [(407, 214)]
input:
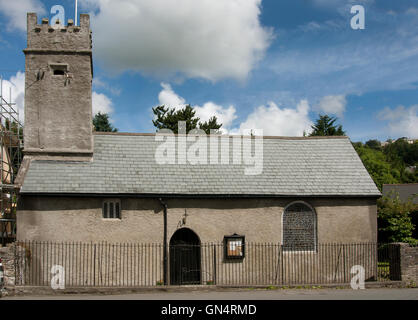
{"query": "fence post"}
[(16, 262), (214, 264), (94, 266), (344, 256)]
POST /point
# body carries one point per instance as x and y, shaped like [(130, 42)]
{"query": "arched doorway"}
[(184, 257)]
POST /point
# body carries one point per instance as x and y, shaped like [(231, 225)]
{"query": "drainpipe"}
[(165, 265)]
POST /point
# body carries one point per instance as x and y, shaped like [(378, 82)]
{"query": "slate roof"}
[(125, 164)]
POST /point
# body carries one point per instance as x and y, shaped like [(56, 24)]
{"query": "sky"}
[(255, 64)]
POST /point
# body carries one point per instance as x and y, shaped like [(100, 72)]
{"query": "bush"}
[(395, 219)]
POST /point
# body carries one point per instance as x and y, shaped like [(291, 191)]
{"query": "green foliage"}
[(212, 124), (377, 165), (402, 155), (101, 123), (168, 118), (395, 219), (374, 144), (324, 126), (389, 164)]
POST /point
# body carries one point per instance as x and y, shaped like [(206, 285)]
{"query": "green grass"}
[(383, 271)]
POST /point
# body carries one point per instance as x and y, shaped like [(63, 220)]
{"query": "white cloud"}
[(99, 83), (272, 119), (332, 105), (276, 121), (16, 12), (310, 26), (17, 84), (101, 103), (412, 11), (225, 115), (401, 121), (199, 39), (169, 98)]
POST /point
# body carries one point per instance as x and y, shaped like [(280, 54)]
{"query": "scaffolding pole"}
[(11, 145)]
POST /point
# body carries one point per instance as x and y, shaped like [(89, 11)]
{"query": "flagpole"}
[(76, 12)]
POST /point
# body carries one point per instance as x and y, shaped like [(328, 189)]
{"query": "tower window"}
[(59, 72), (59, 69)]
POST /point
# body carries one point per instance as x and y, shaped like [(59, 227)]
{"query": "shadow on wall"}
[(54, 203)]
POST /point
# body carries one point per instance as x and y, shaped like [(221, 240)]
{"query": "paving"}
[(248, 294)]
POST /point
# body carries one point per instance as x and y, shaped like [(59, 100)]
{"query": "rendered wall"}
[(80, 219)]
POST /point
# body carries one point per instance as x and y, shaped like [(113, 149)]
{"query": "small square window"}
[(59, 69), (111, 209), (234, 247)]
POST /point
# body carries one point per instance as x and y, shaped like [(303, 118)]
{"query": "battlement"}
[(58, 37)]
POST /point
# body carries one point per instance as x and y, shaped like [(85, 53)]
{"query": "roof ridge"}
[(229, 136)]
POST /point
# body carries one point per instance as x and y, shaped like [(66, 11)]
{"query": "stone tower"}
[(58, 90)]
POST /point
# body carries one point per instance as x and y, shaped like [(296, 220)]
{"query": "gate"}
[(184, 264), (389, 262), (185, 257)]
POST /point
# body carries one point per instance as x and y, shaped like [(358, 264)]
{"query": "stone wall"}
[(7, 255), (11, 257), (409, 263)]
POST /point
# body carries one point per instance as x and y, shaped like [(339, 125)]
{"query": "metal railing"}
[(136, 265)]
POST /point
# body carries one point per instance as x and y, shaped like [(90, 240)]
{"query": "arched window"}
[(299, 227)]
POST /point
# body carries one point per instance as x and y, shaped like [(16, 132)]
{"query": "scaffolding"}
[(11, 145)]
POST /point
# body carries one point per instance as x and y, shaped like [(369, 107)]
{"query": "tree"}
[(394, 163), (374, 144), (168, 118), (395, 219), (324, 126), (212, 124), (381, 171), (403, 155), (101, 123)]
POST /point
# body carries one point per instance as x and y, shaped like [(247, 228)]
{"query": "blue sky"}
[(271, 65)]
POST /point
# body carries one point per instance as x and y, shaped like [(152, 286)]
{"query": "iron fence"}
[(135, 265)]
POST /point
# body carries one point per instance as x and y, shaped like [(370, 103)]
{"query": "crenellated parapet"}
[(58, 37)]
